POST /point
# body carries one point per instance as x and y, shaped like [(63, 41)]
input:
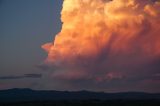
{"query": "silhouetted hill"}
[(25, 95)]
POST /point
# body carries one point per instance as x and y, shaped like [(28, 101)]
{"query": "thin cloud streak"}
[(11, 77)]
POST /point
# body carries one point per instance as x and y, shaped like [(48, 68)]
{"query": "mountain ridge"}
[(26, 94)]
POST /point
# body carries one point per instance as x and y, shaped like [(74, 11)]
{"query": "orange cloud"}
[(98, 36)]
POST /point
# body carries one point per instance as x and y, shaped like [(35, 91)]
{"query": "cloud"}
[(105, 43), (20, 76), (33, 75)]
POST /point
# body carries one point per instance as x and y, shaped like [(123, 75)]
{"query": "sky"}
[(102, 45), (25, 26)]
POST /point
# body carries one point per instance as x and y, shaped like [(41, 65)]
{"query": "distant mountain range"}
[(18, 95)]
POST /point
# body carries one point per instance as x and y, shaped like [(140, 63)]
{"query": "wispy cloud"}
[(21, 76)]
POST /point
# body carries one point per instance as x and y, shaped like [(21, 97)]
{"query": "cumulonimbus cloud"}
[(103, 40)]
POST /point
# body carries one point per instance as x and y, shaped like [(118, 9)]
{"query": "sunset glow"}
[(101, 41)]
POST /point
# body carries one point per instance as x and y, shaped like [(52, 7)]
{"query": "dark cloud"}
[(33, 75), (11, 77), (20, 76)]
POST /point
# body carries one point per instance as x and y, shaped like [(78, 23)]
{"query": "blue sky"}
[(24, 26)]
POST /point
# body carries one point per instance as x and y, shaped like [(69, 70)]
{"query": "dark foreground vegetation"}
[(28, 97), (87, 103)]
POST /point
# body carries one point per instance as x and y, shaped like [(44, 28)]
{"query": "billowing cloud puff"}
[(104, 43)]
